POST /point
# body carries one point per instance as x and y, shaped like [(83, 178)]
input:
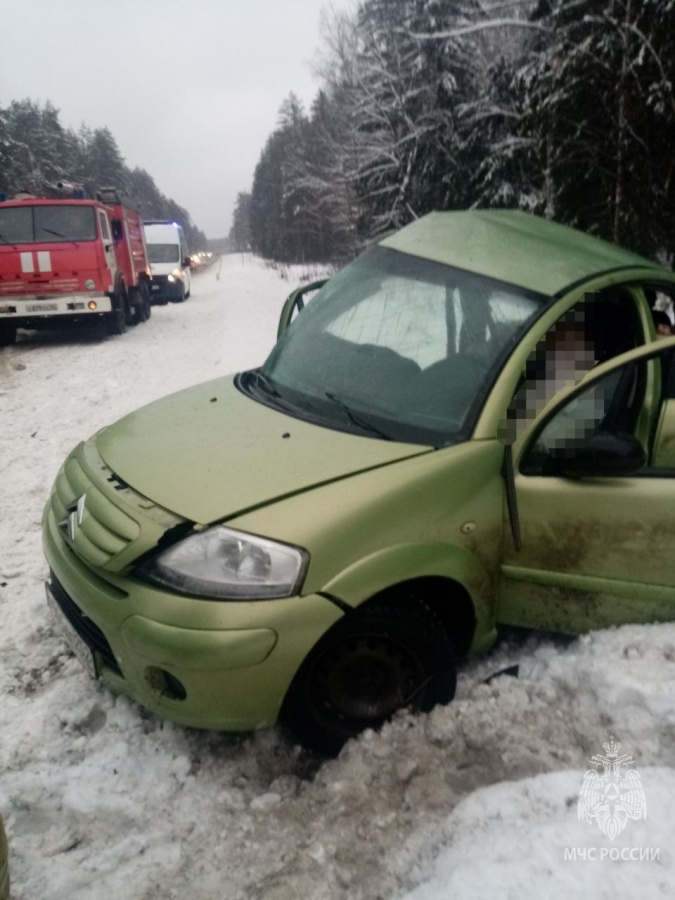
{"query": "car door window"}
[(599, 328), (663, 453), (611, 406), (661, 300)]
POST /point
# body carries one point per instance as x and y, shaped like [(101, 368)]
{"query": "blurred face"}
[(663, 330), (572, 353)]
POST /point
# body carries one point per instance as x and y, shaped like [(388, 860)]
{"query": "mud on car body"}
[(469, 425)]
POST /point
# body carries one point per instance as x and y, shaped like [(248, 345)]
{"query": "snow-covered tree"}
[(37, 152), (240, 232), (558, 107), (602, 110)]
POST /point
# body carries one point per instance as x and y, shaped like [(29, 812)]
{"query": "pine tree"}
[(240, 234), (602, 109)]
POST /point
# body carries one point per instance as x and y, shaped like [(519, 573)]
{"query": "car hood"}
[(209, 452)]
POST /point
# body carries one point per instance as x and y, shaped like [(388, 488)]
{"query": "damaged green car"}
[(471, 424)]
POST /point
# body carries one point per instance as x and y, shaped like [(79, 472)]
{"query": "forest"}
[(563, 108), (37, 152)]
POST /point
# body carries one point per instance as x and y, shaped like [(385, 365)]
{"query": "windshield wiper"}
[(59, 235), (5, 241), (265, 385), (356, 419)]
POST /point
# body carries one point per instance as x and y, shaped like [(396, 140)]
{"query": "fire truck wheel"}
[(147, 302), (7, 333), (141, 304), (117, 320)]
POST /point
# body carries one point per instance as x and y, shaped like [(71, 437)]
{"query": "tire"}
[(129, 310), (7, 334), (181, 296), (141, 308), (117, 319), (146, 300), (376, 660)]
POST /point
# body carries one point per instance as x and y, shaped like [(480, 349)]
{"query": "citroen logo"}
[(74, 518)]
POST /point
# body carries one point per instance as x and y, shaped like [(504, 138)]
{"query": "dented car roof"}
[(514, 247)]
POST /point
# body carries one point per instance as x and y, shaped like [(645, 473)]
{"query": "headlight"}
[(221, 563)]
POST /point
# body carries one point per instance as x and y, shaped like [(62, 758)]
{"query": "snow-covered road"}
[(475, 800)]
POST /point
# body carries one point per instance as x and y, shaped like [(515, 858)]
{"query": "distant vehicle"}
[(170, 261), (201, 258), (470, 425), (71, 260), (4, 865)]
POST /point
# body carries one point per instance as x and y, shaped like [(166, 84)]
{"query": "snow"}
[(476, 799)]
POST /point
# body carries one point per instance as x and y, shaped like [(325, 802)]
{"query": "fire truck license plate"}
[(41, 307), (75, 643)]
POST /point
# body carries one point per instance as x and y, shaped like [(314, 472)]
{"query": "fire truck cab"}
[(71, 260)]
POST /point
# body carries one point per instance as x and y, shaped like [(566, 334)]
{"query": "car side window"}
[(602, 326), (609, 408), (663, 453)]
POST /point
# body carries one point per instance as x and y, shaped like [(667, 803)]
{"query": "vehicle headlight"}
[(221, 563)]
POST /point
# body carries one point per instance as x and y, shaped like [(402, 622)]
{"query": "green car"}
[(470, 425), (4, 865)]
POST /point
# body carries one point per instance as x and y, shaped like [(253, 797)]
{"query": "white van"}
[(169, 260)]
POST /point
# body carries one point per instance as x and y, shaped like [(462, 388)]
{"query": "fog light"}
[(92, 304), (164, 683)]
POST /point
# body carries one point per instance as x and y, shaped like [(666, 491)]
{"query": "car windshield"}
[(47, 224), (163, 253), (396, 346)]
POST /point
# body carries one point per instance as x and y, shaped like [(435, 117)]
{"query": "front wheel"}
[(7, 333), (141, 307), (374, 661), (117, 319), (181, 294)]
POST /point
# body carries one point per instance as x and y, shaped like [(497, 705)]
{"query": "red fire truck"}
[(71, 260)]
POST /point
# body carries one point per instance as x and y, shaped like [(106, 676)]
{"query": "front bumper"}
[(163, 289), (208, 664), (31, 312)]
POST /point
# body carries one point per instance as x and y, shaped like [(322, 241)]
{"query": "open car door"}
[(594, 492)]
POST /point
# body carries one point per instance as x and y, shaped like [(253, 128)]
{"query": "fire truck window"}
[(64, 223), (16, 225), (105, 231)]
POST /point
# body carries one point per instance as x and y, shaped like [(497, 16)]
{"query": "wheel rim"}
[(362, 681)]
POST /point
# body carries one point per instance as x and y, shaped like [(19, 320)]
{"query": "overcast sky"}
[(190, 90)]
